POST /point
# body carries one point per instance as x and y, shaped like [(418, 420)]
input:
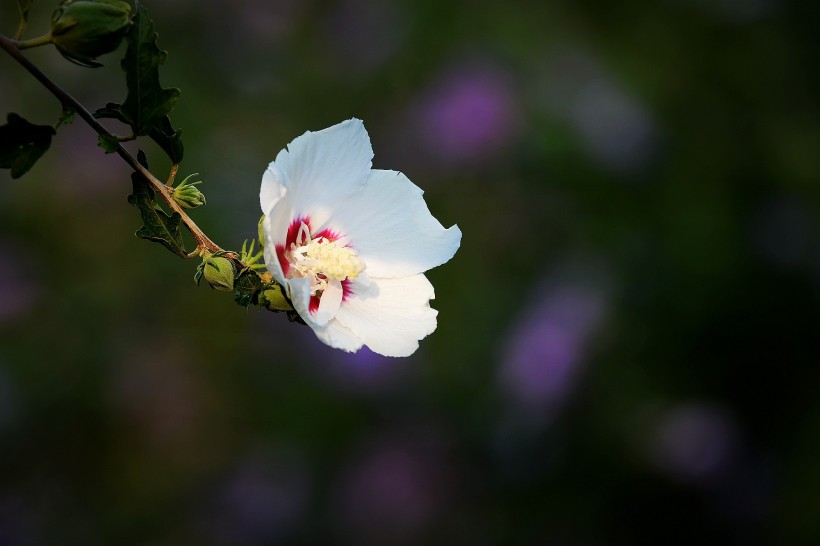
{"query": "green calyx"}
[(187, 194), (82, 30)]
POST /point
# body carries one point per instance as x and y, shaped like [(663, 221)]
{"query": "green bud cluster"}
[(82, 30), (187, 194)]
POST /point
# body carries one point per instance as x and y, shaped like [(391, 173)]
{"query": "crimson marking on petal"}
[(328, 234), (313, 304), (293, 229), (347, 290), (283, 262)]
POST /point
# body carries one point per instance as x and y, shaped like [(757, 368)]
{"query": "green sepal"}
[(147, 104), (247, 287), (22, 144), (157, 226)]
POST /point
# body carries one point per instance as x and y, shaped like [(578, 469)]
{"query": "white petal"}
[(299, 293), (391, 315), (329, 302), (391, 228), (338, 336), (318, 168), (273, 188), (275, 226)]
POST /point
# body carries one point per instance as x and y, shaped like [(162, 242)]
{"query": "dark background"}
[(627, 344)]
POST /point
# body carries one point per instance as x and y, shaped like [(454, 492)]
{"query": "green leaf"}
[(169, 140), (147, 104), (108, 143), (22, 144), (157, 225), (246, 288)]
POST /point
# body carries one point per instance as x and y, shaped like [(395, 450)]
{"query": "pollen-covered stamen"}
[(322, 260)]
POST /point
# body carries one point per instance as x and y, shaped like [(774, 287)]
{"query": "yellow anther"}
[(323, 257)]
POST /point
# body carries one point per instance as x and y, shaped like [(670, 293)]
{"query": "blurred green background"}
[(627, 344)]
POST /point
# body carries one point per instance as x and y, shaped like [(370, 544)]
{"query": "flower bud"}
[(82, 30), (260, 231), (188, 195), (273, 298), (219, 272)]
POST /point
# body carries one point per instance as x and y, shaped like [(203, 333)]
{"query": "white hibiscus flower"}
[(350, 244)]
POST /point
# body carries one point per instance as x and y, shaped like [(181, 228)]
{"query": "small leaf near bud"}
[(273, 298), (82, 30), (218, 272), (187, 194)]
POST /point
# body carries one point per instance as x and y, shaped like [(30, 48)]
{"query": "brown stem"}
[(202, 240)]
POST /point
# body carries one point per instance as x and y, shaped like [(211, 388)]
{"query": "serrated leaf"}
[(246, 288), (169, 140), (22, 144), (147, 103), (157, 225)]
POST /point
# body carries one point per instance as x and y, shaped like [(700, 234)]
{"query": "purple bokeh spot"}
[(616, 130), (390, 492), (693, 441), (20, 292), (264, 499), (543, 354), (467, 117)]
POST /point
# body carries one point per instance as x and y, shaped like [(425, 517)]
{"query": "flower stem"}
[(12, 48), (45, 39)]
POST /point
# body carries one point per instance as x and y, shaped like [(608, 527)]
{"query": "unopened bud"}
[(82, 30), (219, 272), (188, 195), (260, 231)]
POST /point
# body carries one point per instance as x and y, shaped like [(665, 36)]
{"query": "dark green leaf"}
[(157, 225), (22, 144), (169, 140), (108, 143), (246, 288), (147, 104)]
